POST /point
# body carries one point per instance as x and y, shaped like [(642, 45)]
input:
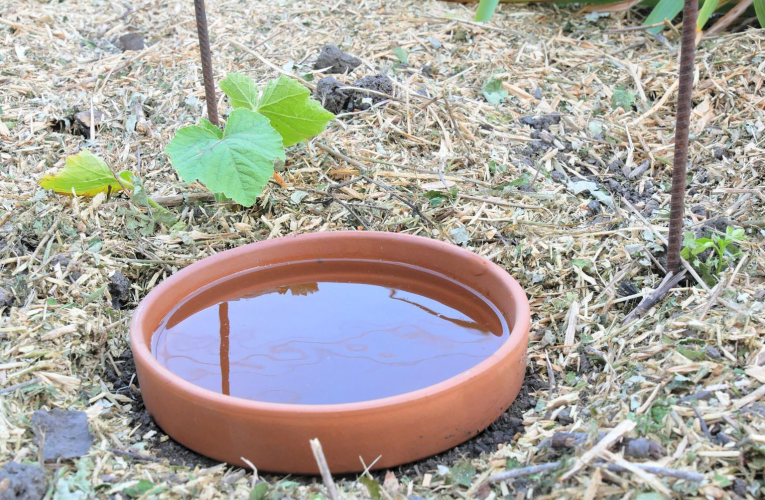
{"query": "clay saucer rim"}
[(142, 352)]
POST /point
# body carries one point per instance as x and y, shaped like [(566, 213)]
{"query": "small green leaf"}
[(623, 99), (705, 12), (259, 491), (582, 263), (139, 489), (402, 55), (665, 9), (87, 174), (93, 296), (241, 91), (494, 91), (759, 9), (463, 473), (238, 163), (486, 10), (373, 487), (292, 112)]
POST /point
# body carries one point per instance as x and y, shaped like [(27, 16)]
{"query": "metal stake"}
[(207, 70)]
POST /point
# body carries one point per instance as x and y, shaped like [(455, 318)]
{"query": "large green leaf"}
[(665, 9), (288, 104), (87, 175), (485, 10), (241, 91), (705, 12), (759, 9), (237, 162)]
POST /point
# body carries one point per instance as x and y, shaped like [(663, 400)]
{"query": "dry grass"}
[(64, 344)]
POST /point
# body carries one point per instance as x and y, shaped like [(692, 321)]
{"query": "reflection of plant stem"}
[(225, 330), (682, 126)]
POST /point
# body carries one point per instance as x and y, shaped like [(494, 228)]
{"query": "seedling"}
[(238, 161), (723, 252)]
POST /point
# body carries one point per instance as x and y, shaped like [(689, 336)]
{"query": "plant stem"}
[(682, 126), (207, 70)]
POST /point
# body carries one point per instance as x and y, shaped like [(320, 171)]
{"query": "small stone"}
[(6, 298), (22, 482), (131, 41), (119, 289), (62, 433), (644, 448), (712, 352), (650, 207), (594, 207), (564, 417), (333, 60)]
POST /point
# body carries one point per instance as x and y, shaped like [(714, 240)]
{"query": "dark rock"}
[(712, 353), (720, 153), (564, 417), (62, 433), (119, 289), (333, 61), (6, 298), (332, 97), (558, 176), (541, 122), (22, 482), (650, 207), (131, 41), (644, 448), (380, 84), (594, 207)]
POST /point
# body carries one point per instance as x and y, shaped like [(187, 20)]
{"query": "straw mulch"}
[(686, 378)]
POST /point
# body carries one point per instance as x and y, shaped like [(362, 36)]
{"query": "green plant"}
[(661, 10), (723, 251), (238, 161)]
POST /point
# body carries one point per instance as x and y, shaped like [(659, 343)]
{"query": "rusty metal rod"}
[(207, 70), (682, 126)]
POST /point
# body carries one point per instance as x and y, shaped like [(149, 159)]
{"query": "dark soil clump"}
[(119, 289), (125, 382), (336, 100), (131, 41), (22, 482), (333, 61), (541, 122)]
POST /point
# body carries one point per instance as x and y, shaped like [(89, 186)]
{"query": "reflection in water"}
[(225, 329), (327, 342)]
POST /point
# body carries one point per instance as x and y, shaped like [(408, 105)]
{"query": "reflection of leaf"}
[(373, 487), (237, 162), (87, 174), (288, 104), (301, 289), (494, 91), (463, 473)]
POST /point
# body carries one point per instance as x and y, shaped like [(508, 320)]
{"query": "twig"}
[(358, 217), (613, 436), (669, 281), (523, 471), (136, 456), (326, 475), (501, 203), (12, 388)]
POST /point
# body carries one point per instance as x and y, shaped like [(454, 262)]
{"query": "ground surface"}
[(688, 375)]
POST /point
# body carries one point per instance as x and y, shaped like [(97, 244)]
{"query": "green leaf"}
[(463, 473), (494, 91), (759, 9), (259, 491), (402, 55), (241, 91), (204, 123), (373, 487), (485, 10), (288, 104), (87, 174), (650, 496), (706, 10), (665, 9), (623, 99), (238, 163), (139, 489)]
